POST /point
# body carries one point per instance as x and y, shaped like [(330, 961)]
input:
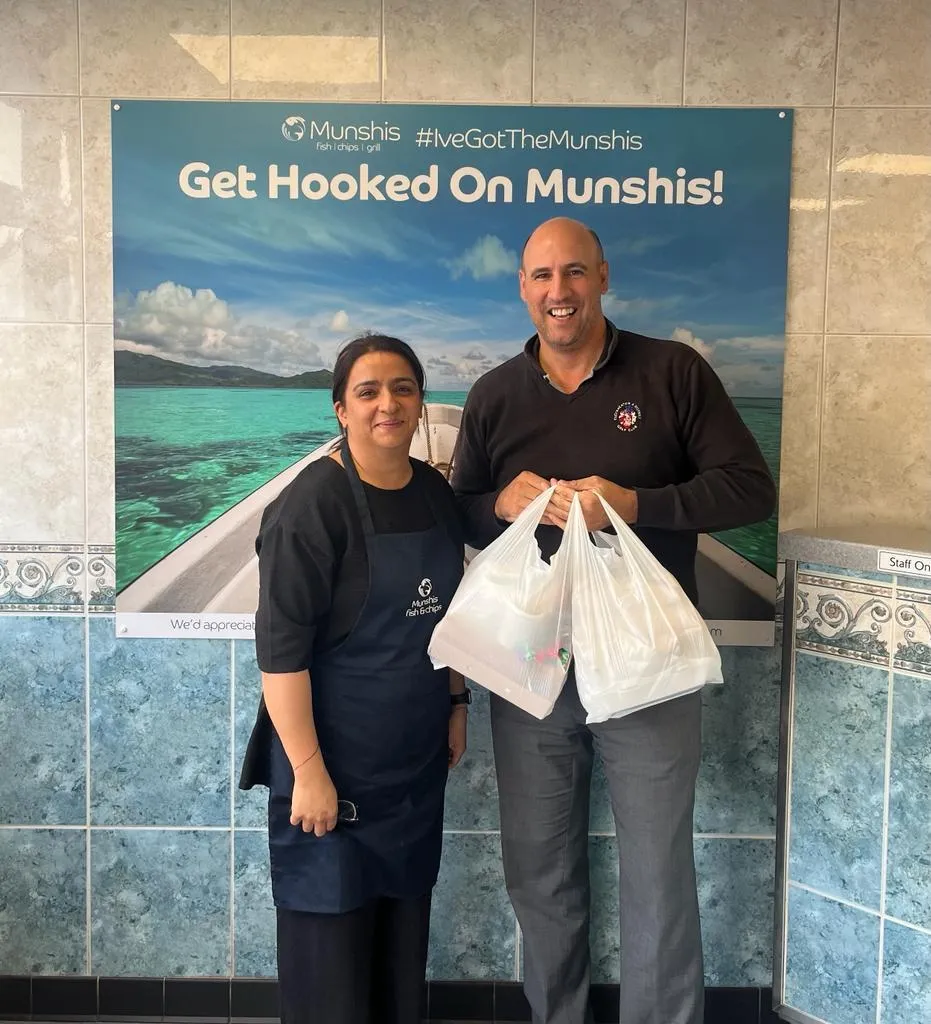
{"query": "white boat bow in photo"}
[(216, 570)]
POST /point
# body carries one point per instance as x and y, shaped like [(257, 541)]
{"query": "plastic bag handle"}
[(516, 534), (633, 544), (622, 529), (576, 532), (529, 519)]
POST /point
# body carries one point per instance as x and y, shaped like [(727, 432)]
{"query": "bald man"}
[(647, 424)]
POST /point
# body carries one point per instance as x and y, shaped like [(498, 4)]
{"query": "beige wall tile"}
[(40, 209), (39, 47), (98, 212), (879, 263), (740, 52), (884, 53), (467, 52), (808, 218), (98, 426), (801, 424), (42, 449), (624, 52), (875, 454), (172, 48), (290, 49)]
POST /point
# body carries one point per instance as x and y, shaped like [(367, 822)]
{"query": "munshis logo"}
[(295, 128)]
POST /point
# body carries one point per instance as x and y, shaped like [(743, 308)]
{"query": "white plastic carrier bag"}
[(508, 627), (637, 640)]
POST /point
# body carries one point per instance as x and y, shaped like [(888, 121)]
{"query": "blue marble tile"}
[(42, 901), (604, 930), (160, 902), (254, 910), (42, 774), (736, 789), (832, 964), (160, 730), (472, 926), (906, 992), (817, 569), (472, 790), (736, 882), (908, 866), (838, 774), (251, 805)]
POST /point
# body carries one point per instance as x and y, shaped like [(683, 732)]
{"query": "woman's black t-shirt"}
[(313, 568)]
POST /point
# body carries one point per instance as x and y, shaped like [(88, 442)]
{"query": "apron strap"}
[(368, 527), (362, 505)]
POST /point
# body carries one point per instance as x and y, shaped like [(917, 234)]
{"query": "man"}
[(648, 425)]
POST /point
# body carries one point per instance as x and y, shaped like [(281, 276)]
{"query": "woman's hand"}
[(458, 726), (313, 799)]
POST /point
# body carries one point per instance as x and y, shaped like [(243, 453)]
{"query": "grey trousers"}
[(544, 769)]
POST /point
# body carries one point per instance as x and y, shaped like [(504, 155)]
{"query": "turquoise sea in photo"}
[(184, 456)]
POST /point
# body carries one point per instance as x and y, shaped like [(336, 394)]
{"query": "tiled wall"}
[(118, 810), (858, 916), (126, 848)]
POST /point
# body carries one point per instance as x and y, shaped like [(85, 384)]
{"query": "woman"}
[(358, 558)]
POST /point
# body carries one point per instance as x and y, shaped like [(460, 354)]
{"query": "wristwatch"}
[(461, 698)]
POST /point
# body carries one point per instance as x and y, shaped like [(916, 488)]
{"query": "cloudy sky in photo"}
[(279, 285)]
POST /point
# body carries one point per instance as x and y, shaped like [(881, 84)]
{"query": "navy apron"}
[(382, 718)]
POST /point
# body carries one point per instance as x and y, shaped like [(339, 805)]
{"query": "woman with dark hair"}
[(358, 558)]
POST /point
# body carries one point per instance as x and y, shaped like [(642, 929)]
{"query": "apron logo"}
[(627, 416), (427, 604)]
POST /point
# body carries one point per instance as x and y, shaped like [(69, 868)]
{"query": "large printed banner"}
[(252, 239)]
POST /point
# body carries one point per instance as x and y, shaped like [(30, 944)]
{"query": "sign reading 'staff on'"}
[(904, 563)]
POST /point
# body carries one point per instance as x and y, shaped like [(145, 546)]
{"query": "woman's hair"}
[(362, 346)]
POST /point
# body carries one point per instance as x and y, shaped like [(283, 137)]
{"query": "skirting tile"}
[(250, 1001), (15, 997)]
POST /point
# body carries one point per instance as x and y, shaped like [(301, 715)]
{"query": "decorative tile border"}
[(845, 617), (857, 585), (913, 631), (870, 575), (42, 578), (101, 578)]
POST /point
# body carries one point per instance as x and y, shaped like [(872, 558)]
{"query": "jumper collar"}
[(532, 351)]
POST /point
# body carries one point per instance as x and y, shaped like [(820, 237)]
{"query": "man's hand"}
[(518, 494), (621, 499)]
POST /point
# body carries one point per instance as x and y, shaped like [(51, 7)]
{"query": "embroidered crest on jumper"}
[(627, 416)]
